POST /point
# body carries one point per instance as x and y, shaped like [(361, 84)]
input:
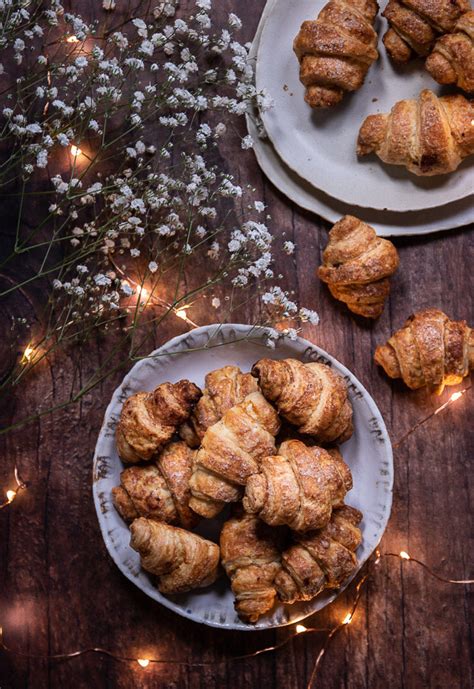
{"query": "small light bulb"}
[(143, 662), (347, 619), (75, 151), (404, 555), (300, 628), (455, 396), (72, 39), (28, 353), (11, 495), (181, 313)]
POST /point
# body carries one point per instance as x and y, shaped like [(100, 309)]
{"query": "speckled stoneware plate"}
[(191, 356), (386, 223), (320, 145)]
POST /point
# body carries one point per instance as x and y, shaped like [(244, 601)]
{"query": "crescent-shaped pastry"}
[(311, 396), (149, 419), (430, 351), (298, 487)]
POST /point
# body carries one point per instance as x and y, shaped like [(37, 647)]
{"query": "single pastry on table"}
[(225, 387), (181, 560), (299, 487), (452, 58), (320, 559), (336, 50), (430, 351), (357, 266), (230, 452), (250, 552), (160, 489), (149, 419), (428, 136), (414, 25), (310, 396)]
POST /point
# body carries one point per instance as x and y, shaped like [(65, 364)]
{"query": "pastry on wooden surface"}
[(336, 50), (150, 419), (310, 396), (298, 487), (428, 136), (415, 25), (225, 387), (320, 559), (159, 490), (357, 266), (250, 552), (452, 58), (230, 452), (181, 560), (430, 351)]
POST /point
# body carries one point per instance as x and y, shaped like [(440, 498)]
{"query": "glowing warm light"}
[(300, 628), (11, 495), (181, 313), (347, 619), (143, 662), (144, 294), (75, 151), (404, 555), (455, 396), (72, 39), (28, 353)]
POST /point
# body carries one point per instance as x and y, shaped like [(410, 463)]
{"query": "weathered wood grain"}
[(59, 590)]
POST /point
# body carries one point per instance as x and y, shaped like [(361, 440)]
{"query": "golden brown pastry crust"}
[(429, 351), (336, 50), (310, 396), (414, 25), (149, 419), (357, 265), (225, 388), (452, 59), (428, 136), (250, 553), (180, 559), (159, 490), (298, 487), (230, 452), (320, 559)]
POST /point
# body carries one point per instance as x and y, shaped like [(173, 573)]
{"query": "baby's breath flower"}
[(247, 142)]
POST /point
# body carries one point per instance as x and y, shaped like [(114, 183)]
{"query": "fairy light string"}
[(454, 398), (299, 630), (146, 296)]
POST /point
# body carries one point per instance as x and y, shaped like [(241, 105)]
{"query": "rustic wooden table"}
[(59, 589)]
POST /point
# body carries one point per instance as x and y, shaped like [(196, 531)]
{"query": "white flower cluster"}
[(125, 195)]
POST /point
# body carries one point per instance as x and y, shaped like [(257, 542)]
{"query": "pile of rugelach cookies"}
[(259, 447)]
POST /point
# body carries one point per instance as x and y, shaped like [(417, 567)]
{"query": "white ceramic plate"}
[(386, 224), (191, 356), (320, 145)]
